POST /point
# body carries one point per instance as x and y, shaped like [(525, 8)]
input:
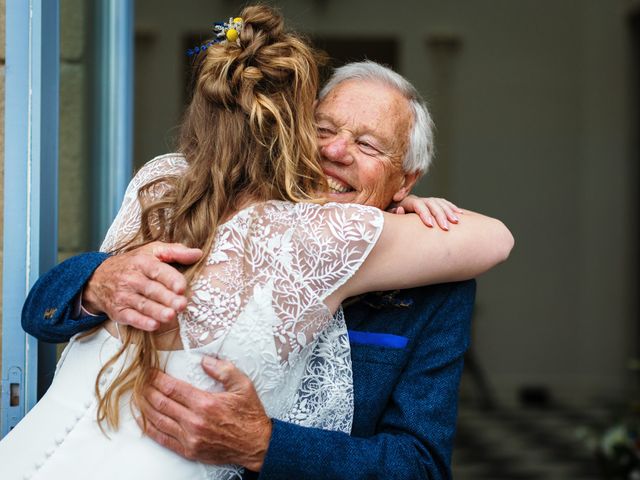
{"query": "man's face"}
[(363, 132)]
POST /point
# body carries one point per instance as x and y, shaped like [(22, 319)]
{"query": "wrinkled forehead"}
[(365, 91), (369, 105)]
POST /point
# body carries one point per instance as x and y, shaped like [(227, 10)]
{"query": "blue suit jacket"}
[(407, 350)]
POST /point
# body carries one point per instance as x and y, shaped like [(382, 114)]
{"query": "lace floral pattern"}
[(259, 300), (126, 223)]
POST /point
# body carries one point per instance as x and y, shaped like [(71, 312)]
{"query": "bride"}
[(266, 295)]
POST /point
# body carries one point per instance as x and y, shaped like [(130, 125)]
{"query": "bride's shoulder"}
[(313, 220), (340, 212), (168, 164), (322, 212), (344, 223)]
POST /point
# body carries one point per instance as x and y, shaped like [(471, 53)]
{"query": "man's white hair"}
[(420, 150)]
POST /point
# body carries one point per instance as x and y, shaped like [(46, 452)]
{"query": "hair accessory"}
[(225, 32)]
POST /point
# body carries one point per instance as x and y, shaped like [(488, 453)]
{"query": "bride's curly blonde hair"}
[(248, 135)]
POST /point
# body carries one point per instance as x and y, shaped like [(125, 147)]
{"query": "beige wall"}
[(534, 108)]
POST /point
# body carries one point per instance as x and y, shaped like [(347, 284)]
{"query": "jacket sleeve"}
[(48, 311), (414, 436)]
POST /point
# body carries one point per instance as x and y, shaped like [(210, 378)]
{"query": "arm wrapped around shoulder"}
[(47, 313), (409, 255)]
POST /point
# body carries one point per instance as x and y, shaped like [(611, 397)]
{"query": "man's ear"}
[(408, 181)]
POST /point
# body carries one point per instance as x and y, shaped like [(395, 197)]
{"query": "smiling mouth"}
[(336, 186)]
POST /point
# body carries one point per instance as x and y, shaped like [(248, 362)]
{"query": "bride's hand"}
[(429, 208)]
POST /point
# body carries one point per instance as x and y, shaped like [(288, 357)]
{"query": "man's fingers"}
[(161, 295), (232, 379), (139, 281), (155, 269), (148, 308), (163, 423), (176, 253), (158, 296), (165, 412), (152, 431), (129, 316), (176, 390)]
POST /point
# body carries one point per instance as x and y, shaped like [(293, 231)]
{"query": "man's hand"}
[(427, 209), (216, 428), (139, 288)]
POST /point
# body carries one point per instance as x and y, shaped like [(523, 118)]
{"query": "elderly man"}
[(407, 347)]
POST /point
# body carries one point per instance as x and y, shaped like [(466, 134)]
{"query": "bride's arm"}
[(408, 255)]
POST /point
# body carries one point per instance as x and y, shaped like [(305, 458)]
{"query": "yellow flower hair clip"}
[(225, 32)]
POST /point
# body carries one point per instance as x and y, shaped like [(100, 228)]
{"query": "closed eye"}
[(324, 132), (368, 148)]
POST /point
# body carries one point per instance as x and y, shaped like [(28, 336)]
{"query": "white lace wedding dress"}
[(259, 302)]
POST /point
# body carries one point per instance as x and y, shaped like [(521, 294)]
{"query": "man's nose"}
[(336, 150)]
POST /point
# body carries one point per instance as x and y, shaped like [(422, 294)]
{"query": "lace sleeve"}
[(126, 223), (334, 240), (280, 261)]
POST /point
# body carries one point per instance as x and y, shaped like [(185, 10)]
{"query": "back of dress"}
[(259, 302)]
